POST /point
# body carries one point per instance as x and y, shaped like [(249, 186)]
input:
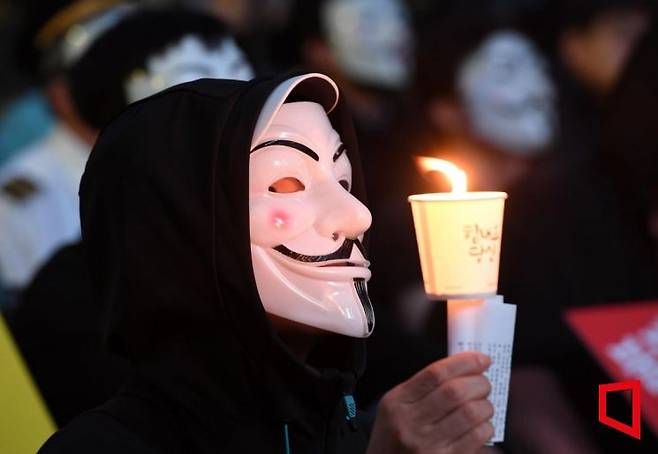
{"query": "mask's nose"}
[(340, 213)]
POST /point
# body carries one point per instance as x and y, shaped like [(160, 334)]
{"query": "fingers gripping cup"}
[(459, 237)]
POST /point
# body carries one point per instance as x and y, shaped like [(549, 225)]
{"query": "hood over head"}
[(165, 222)]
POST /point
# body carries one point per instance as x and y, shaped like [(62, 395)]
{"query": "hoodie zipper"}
[(286, 439), (350, 417), (350, 411)]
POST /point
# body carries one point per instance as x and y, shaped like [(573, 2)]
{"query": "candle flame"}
[(454, 174)]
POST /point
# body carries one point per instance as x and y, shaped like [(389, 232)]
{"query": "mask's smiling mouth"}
[(344, 252), (346, 263)]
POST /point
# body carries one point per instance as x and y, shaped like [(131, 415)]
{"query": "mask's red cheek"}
[(280, 219)]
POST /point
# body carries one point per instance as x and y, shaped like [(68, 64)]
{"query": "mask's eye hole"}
[(345, 184), (287, 185)]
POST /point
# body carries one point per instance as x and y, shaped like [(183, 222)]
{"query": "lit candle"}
[(459, 235)]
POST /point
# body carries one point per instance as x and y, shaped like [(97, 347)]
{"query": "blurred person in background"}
[(38, 201), (125, 65), (489, 105), (489, 100), (592, 43), (485, 101), (582, 233), (56, 323), (24, 116), (368, 44), (38, 209), (598, 37)]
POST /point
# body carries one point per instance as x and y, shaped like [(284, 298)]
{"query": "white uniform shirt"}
[(36, 224)]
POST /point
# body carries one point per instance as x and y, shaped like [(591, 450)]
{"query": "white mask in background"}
[(305, 226), (508, 95), (371, 40), (190, 59)]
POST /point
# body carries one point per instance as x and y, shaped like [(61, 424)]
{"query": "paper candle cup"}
[(459, 237)]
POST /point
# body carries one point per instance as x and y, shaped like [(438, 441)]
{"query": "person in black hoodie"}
[(170, 221)]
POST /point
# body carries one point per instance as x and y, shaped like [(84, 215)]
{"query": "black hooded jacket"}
[(165, 222)]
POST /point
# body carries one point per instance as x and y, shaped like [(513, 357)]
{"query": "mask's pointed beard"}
[(362, 292)]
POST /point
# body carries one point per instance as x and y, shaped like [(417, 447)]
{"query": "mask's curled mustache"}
[(342, 253)]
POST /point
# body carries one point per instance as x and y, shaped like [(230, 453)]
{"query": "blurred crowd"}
[(554, 102)]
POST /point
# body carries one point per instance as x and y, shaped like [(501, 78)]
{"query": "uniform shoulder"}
[(96, 432), (23, 175), (27, 160)]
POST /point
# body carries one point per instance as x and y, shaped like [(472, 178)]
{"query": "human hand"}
[(443, 409)]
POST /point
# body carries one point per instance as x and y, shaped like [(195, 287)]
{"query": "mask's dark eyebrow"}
[(340, 151), (289, 143)]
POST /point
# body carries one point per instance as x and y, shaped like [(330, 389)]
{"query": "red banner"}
[(624, 338)]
